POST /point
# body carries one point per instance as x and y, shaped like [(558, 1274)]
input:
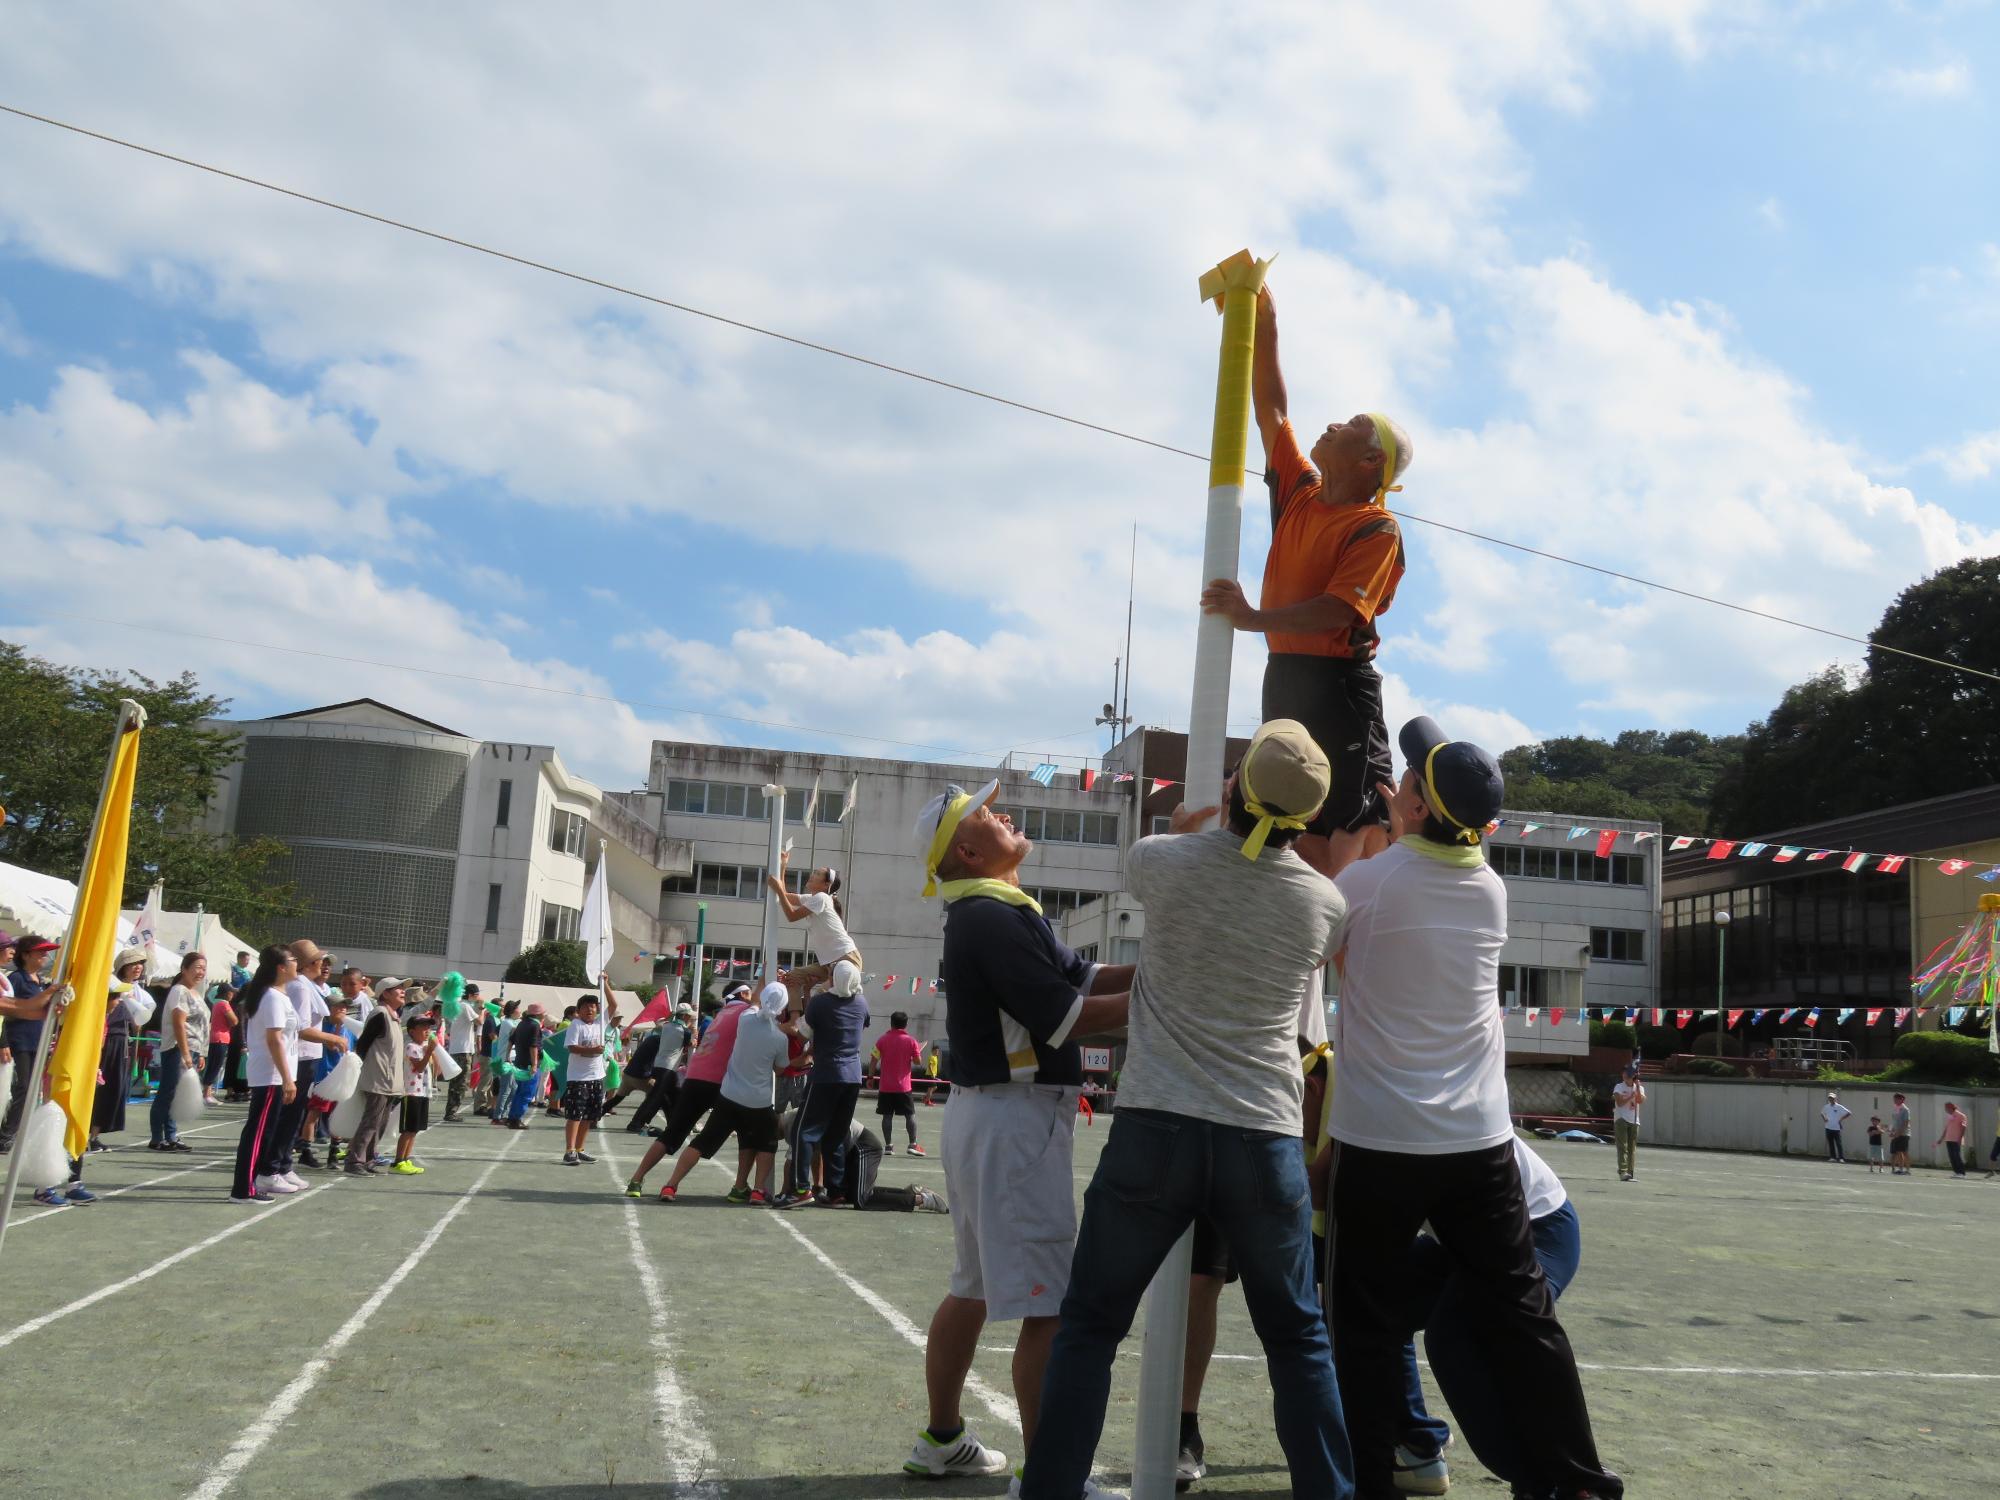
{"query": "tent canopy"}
[(41, 904)]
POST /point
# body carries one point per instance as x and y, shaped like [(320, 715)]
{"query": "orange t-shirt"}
[(1354, 552)]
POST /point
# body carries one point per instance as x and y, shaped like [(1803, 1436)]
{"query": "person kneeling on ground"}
[(747, 1104), (1420, 1115), (862, 1161), (701, 1089), (1209, 1104), (1016, 1002)]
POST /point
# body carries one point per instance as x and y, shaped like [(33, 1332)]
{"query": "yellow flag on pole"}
[(93, 936)]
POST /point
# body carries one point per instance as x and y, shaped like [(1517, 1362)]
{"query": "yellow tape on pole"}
[(1233, 287)]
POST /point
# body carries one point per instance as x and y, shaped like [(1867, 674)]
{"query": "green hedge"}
[(1705, 1044), (1612, 1034), (1713, 1067), (1946, 1054)]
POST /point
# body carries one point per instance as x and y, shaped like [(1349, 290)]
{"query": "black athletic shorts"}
[(416, 1114), (754, 1129), (1211, 1251), (895, 1104), (583, 1099), (1339, 701), (691, 1102), (1899, 1145)]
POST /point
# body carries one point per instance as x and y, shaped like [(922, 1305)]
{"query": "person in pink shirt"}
[(1953, 1137), (701, 1086), (899, 1052)]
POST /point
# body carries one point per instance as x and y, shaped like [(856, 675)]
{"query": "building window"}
[(1163, 825), (566, 832), (1060, 903), (560, 921), (730, 882), (1055, 825), (831, 806), (1531, 862), (731, 799), (1618, 945), (506, 804), (493, 904)]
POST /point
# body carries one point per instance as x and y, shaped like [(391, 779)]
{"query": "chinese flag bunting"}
[(1555, 1015), (1853, 863), (1606, 839), (1953, 866), (1889, 864), (1720, 849)]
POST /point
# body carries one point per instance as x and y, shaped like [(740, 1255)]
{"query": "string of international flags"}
[(1605, 840), (1812, 1014)]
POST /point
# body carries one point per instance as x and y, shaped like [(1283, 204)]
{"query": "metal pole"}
[(1234, 284), (700, 932), (774, 796), (1721, 967)]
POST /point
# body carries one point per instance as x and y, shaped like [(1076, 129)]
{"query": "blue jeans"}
[(1158, 1171), (526, 1092), (503, 1093), (161, 1116), (1464, 1375)]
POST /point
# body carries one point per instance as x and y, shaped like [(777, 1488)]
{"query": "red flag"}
[(1720, 849), (1555, 1015), (1606, 838), (1812, 1018), (1160, 783), (1734, 1017), (1853, 863), (1889, 864), (1875, 1015), (1086, 779), (1818, 854), (654, 1008), (1682, 1017), (889, 982), (1953, 866)]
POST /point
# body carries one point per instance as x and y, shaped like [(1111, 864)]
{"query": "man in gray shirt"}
[(1208, 1115)]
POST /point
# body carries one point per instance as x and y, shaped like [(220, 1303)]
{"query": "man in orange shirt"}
[(1336, 558)]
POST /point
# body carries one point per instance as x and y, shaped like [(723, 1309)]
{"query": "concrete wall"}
[(1725, 1114)]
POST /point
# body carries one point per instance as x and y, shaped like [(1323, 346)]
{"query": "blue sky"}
[(1704, 292)]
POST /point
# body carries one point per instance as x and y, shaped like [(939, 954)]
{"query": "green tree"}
[(551, 961), (1667, 776), (55, 732)]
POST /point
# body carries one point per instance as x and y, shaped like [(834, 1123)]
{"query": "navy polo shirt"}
[(837, 1025), (1011, 988)]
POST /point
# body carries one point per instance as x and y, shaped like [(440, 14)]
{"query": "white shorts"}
[(1007, 1168)]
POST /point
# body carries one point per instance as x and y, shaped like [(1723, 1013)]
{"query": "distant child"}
[(319, 1116), (583, 1089), (1876, 1157), (421, 1052)]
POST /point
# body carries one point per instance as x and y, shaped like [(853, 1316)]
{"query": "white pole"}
[(1234, 284), (774, 797)]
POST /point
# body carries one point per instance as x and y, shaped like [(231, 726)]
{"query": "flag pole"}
[(1233, 285), (131, 718), (774, 797)]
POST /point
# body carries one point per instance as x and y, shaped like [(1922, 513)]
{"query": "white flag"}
[(597, 921), (812, 802), (853, 791), (146, 931)]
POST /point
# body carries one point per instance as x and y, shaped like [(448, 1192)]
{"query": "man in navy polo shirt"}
[(837, 1017), (1016, 1000)]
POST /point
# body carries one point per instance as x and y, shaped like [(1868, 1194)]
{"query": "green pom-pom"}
[(450, 990)]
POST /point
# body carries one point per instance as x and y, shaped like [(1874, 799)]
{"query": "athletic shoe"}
[(294, 1179), (569, 1158), (156, 1145), (738, 1195), (1190, 1464), (930, 1202), (790, 1200), (833, 1200), (406, 1169), (306, 1157), (1420, 1476), (357, 1169), (819, 1195), (378, 1160), (585, 1156), (964, 1454), (179, 1146), (633, 1189), (369, 1169), (517, 1124), (51, 1198), (453, 1119), (274, 1185), (668, 1193), (916, 1151), (255, 1195), (78, 1193), (757, 1200)]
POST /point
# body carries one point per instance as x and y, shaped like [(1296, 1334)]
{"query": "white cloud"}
[(1772, 213), (1977, 457), (1947, 80)]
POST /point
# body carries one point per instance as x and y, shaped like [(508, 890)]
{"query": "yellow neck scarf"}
[(1385, 438), (999, 890), (1266, 819), (1467, 857)]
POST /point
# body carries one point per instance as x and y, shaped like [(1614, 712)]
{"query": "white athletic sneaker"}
[(964, 1454), (1420, 1476), (274, 1185), (298, 1185)]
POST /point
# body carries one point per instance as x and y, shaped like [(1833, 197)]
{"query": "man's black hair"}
[(1243, 825), (899, 1018)]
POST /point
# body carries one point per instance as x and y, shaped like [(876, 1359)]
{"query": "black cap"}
[(1463, 778)]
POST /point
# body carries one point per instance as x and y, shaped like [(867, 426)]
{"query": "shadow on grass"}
[(876, 1486)]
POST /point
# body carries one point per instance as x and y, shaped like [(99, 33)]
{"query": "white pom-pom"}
[(187, 1106), (346, 1116), (44, 1162), (341, 1082)]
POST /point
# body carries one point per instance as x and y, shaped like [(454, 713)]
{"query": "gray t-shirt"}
[(1229, 949), (760, 1050)]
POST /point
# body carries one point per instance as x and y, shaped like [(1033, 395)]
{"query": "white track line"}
[(50, 1213), (1781, 1374), (92, 1299), (690, 1457), (261, 1431), (1001, 1406)]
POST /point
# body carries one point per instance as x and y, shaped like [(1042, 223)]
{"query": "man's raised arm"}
[(1267, 381)]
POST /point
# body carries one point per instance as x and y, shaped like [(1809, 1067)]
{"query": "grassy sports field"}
[(507, 1326)]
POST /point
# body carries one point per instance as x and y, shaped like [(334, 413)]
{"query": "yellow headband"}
[(1466, 835), (1385, 439), (1266, 819), (948, 821)]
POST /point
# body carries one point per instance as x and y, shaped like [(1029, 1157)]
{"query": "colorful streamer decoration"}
[(1964, 971)]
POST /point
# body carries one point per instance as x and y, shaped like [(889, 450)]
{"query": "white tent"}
[(41, 904), (176, 937)]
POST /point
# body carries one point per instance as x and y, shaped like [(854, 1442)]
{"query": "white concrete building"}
[(709, 798), (421, 850)]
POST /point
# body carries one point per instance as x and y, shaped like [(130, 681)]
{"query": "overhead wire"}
[(832, 351)]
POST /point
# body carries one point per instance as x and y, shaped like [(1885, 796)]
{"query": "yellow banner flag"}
[(93, 938)]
